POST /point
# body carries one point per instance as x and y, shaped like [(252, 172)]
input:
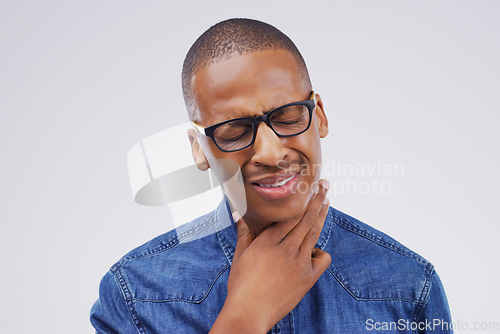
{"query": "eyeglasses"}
[(239, 133)]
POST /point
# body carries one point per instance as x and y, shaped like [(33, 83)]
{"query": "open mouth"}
[(272, 188), (277, 184)]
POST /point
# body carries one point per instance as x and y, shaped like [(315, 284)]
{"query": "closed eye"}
[(287, 122), (235, 138)]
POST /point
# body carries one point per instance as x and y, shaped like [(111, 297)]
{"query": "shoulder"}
[(159, 269), (373, 266)]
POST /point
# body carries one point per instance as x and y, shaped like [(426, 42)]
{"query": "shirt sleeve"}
[(110, 313), (435, 315)]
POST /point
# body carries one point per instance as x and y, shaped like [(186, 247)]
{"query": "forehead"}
[(247, 85)]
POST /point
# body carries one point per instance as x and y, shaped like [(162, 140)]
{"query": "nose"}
[(268, 147)]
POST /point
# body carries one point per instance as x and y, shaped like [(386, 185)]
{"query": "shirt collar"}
[(227, 232)]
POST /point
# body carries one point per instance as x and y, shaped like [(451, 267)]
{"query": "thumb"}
[(244, 236), (320, 261)]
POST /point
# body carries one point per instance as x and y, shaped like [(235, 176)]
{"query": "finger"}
[(244, 236), (320, 262), (314, 232), (300, 230), (283, 230)]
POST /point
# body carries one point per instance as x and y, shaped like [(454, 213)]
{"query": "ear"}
[(322, 120), (198, 156)]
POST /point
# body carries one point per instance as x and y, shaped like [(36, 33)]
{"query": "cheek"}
[(224, 165), (315, 142), (212, 153), (308, 144)]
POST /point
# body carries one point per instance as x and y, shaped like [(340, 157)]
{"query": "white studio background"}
[(408, 84)]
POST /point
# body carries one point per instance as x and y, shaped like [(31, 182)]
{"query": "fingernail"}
[(326, 184), (236, 216), (326, 201), (315, 188)]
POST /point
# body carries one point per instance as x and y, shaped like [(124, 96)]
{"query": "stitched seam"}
[(348, 226), (329, 220), (368, 299), (424, 295), (222, 240), (128, 301), (195, 230), (185, 300), (166, 246), (225, 248), (156, 250)]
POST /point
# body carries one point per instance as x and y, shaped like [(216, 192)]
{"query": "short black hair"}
[(229, 38)]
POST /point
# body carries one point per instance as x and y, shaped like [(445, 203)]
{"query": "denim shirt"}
[(176, 283)]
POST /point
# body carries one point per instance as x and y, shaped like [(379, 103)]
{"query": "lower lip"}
[(279, 192)]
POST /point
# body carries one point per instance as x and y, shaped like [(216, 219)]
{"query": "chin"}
[(275, 211)]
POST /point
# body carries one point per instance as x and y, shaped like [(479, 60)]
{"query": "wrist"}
[(235, 320)]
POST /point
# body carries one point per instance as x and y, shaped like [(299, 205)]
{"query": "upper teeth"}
[(276, 185)]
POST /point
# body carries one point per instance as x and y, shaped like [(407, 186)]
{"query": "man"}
[(291, 264)]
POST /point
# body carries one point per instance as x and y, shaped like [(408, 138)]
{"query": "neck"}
[(256, 226)]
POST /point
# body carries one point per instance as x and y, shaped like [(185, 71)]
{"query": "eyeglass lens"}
[(286, 121)]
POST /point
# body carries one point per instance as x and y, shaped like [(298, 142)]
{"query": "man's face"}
[(251, 85)]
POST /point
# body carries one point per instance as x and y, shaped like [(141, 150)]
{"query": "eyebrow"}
[(257, 114), (310, 97)]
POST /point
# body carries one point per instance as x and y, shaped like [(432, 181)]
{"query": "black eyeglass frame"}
[(210, 130)]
